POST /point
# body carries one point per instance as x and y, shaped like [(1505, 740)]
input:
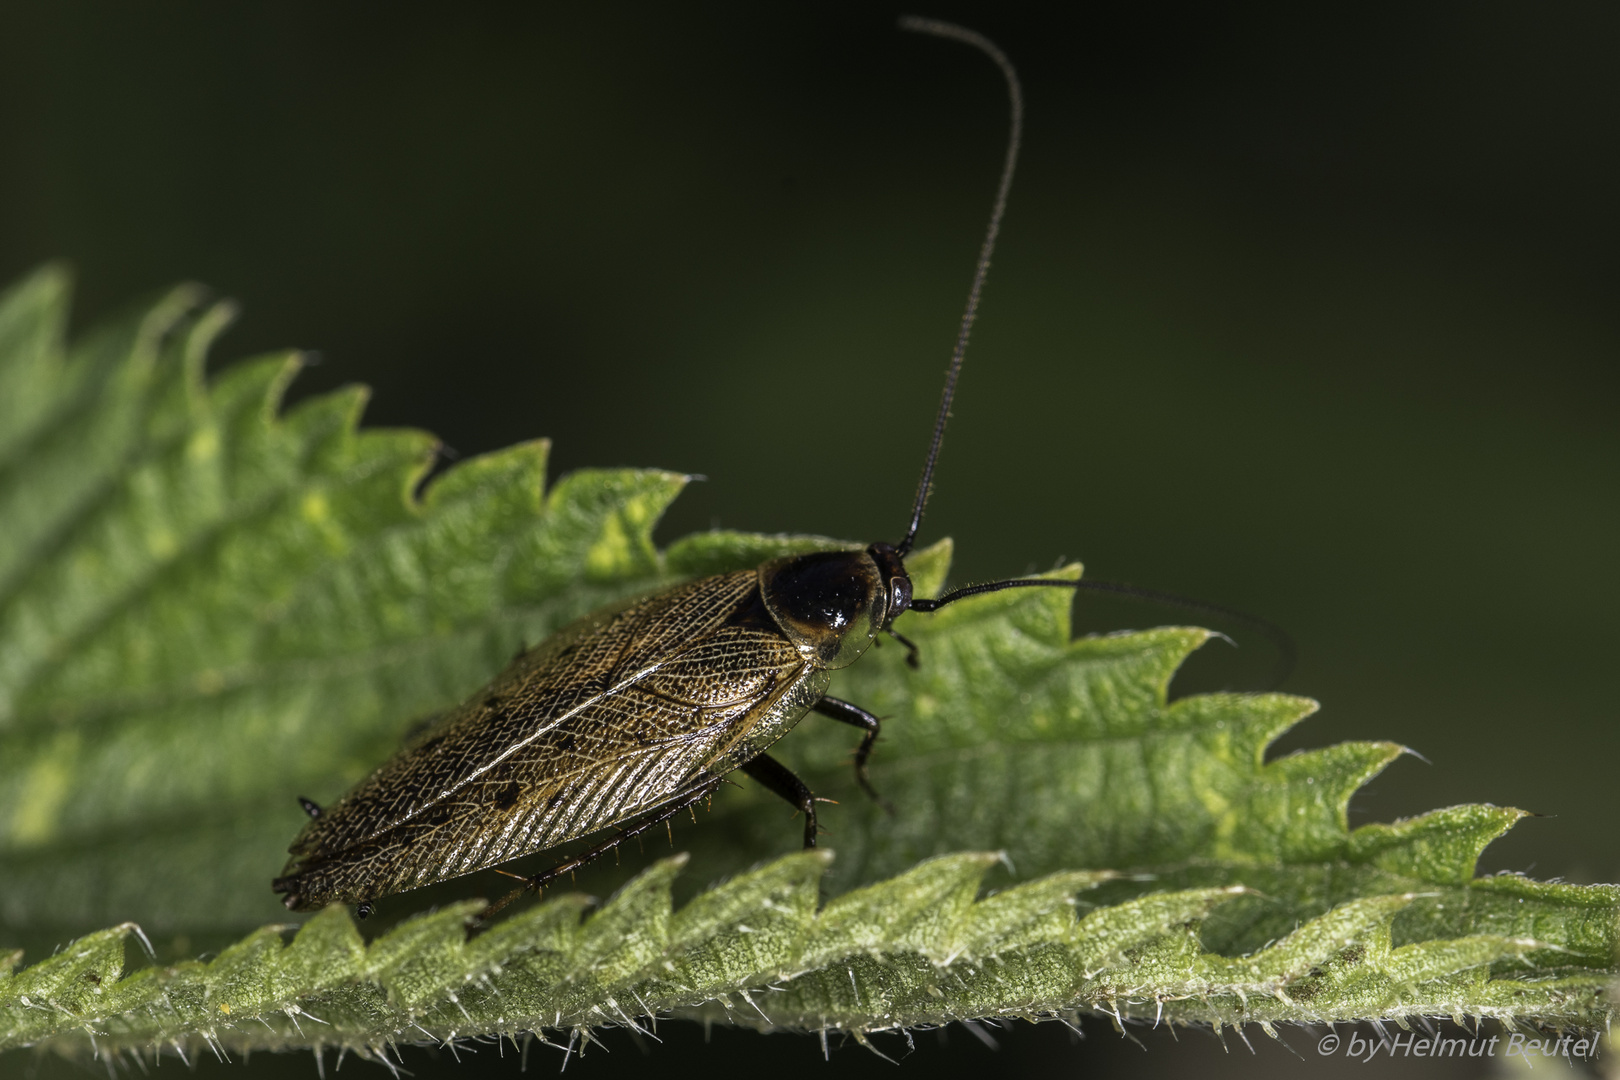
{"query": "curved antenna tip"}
[(1015, 101)]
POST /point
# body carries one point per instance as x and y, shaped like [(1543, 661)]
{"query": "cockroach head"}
[(896, 581), (832, 604)]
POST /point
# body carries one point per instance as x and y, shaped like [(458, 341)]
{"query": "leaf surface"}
[(209, 606)]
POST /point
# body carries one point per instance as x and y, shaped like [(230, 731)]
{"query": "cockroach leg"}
[(778, 778), (855, 716), (913, 654)]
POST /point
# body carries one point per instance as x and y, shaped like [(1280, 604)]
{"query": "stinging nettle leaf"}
[(210, 605), (914, 950)]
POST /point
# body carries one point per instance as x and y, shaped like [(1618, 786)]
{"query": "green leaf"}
[(916, 949), (209, 606)]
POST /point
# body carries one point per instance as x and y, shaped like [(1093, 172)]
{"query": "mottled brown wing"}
[(610, 717)]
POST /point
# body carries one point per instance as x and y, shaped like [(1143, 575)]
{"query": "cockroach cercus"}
[(634, 713)]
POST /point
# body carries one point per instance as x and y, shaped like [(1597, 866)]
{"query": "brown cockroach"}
[(634, 713)]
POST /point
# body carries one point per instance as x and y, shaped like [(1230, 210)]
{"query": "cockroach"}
[(638, 711)]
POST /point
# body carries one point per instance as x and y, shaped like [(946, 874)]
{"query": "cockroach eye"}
[(900, 597)]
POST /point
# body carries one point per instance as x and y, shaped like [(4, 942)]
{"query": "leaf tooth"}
[(323, 428), (1240, 727), (1421, 962), (245, 396), (1442, 846), (34, 382), (422, 958), (919, 911), (1364, 920), (551, 927), (1102, 937), (605, 518), (180, 398), (326, 951), (521, 467), (630, 932), (243, 977), (67, 990), (1040, 910), (706, 946), (1298, 810)]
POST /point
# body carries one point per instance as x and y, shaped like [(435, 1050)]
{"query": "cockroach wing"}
[(614, 715)]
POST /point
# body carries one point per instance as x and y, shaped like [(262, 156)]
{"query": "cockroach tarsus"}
[(640, 711)]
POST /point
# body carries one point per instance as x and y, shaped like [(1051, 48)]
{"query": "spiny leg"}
[(776, 777), (545, 877), (912, 653), (855, 716)]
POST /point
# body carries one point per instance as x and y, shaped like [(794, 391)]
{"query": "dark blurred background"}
[(1304, 309)]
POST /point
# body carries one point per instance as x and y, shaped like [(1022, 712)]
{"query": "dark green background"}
[(1306, 309)]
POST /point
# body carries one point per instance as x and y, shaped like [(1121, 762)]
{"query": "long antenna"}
[(1015, 96), (1286, 653)]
